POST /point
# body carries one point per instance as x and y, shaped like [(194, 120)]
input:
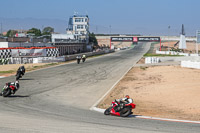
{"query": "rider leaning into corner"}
[(16, 84), (122, 102)]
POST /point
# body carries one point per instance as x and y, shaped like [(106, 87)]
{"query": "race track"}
[(58, 99)]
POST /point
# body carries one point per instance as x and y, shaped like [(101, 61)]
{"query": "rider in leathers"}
[(16, 84), (122, 102)]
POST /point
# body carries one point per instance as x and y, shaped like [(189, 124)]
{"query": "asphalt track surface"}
[(57, 99)]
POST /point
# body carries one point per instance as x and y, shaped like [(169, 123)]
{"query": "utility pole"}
[(168, 37), (110, 29), (96, 29), (1, 29), (197, 40)]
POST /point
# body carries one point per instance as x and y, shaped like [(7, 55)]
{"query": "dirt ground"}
[(161, 91), (13, 68), (191, 46)]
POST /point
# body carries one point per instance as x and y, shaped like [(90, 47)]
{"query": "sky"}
[(145, 17)]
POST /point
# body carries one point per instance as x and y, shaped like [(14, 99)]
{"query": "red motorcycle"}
[(120, 109), (10, 88)]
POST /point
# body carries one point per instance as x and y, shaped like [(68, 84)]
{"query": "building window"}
[(79, 20), (80, 26)]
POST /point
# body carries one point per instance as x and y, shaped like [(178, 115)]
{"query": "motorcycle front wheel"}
[(6, 92), (107, 111)]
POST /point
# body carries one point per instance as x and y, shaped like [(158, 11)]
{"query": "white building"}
[(79, 26), (61, 37)]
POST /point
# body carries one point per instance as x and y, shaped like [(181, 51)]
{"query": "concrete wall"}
[(73, 57), (176, 38), (190, 64)]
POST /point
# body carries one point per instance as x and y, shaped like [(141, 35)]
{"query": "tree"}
[(35, 31), (92, 39), (47, 30), (11, 33)]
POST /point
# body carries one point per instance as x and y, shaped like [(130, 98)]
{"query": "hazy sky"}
[(147, 17)]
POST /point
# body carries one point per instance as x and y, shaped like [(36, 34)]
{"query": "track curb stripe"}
[(151, 118)]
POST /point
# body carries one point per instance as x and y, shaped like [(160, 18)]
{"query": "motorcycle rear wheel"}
[(125, 112), (18, 76), (107, 111)]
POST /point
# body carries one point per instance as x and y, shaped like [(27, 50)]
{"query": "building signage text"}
[(129, 39), (149, 39)]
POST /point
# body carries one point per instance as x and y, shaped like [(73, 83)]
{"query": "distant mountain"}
[(28, 23)]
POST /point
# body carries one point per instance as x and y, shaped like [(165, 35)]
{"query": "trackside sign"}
[(135, 39), (128, 39), (149, 39), (28, 52)]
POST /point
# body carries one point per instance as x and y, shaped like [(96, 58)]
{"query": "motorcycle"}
[(10, 88), (123, 110), (83, 58), (78, 59), (20, 72)]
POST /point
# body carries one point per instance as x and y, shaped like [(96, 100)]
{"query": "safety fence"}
[(29, 59), (21, 55), (174, 53), (190, 64)]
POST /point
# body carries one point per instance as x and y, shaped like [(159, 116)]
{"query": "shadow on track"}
[(26, 79), (20, 96)]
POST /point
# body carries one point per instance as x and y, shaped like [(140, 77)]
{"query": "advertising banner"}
[(126, 39), (135, 39), (28, 52), (149, 39)]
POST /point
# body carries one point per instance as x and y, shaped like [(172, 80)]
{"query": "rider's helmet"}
[(127, 96), (78, 57), (84, 56)]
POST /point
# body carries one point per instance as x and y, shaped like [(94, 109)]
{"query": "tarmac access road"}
[(57, 99)]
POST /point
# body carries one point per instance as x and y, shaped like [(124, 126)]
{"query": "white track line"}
[(94, 106), (166, 119), (2, 76), (152, 118)]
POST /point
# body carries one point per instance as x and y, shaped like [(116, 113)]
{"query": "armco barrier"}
[(48, 59), (172, 53), (73, 57), (23, 60), (152, 60), (190, 64)]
